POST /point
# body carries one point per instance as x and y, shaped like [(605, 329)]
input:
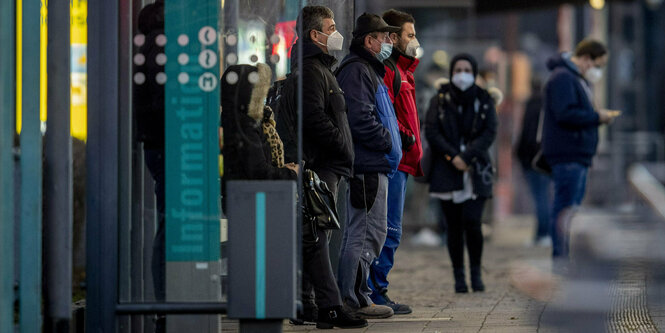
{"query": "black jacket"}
[(246, 151), (445, 130), (528, 145), (327, 142), (149, 96)]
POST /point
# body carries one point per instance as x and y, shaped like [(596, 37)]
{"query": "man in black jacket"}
[(328, 150)]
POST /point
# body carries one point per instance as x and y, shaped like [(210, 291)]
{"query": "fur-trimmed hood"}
[(244, 89)]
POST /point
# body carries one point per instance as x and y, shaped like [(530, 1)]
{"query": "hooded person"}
[(251, 145), (148, 104), (461, 125), (570, 133)]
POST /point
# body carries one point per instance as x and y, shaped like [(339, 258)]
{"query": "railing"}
[(647, 179)]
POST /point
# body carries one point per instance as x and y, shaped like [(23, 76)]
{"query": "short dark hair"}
[(311, 18), (397, 18), (590, 47)]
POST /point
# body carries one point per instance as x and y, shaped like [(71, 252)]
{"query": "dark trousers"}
[(464, 224), (154, 160), (318, 283)]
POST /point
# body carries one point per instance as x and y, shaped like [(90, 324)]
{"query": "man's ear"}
[(312, 34), (367, 42), (394, 36)]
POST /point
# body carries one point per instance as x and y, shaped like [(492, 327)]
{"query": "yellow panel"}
[(42, 61), (19, 63), (79, 40)]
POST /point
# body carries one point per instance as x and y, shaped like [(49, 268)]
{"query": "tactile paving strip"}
[(629, 312)]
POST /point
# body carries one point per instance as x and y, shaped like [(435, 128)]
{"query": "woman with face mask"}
[(461, 125)]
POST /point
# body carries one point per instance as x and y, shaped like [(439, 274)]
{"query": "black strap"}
[(397, 79)]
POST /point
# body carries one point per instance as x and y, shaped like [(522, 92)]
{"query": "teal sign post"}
[(191, 119)]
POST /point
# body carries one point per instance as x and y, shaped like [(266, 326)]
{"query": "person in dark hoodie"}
[(527, 148), (570, 132), (377, 152), (248, 145), (327, 150), (461, 125), (399, 67), (149, 112)]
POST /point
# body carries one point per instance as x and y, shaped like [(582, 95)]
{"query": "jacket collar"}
[(310, 50), (569, 63), (404, 61), (361, 52)]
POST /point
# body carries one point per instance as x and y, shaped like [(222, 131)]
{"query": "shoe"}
[(460, 281), (372, 311), (308, 317), (544, 242), (336, 317), (476, 280), (398, 309), (160, 323)]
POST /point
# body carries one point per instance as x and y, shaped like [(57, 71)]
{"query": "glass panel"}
[(180, 59)]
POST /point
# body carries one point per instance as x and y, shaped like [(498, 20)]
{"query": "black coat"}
[(445, 130), (327, 142), (246, 151), (528, 145), (149, 96)]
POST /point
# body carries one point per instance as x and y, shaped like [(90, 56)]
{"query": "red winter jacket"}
[(405, 109)]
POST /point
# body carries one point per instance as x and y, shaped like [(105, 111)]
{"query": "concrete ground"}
[(616, 282)]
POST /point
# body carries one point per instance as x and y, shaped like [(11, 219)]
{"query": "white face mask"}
[(463, 80), (335, 41), (594, 74), (412, 48)]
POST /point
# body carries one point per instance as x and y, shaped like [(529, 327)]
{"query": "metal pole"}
[(30, 285), (58, 173), (7, 107), (102, 166), (126, 279)]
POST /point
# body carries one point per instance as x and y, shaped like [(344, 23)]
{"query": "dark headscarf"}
[(464, 98), (467, 57)]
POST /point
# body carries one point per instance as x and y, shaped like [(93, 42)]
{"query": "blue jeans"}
[(569, 187), (539, 184), (378, 280)]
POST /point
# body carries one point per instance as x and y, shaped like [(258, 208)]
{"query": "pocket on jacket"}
[(336, 102), (363, 191)]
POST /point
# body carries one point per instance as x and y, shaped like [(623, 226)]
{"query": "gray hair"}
[(311, 18)]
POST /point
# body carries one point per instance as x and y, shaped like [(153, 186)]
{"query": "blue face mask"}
[(386, 51)]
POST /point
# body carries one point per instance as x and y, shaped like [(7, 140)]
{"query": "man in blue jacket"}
[(570, 132), (377, 153)]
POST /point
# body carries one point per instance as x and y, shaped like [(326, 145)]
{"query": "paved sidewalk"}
[(616, 282), (422, 278)]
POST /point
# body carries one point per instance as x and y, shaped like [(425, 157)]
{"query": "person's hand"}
[(606, 116), (293, 166), (459, 163), (407, 141)]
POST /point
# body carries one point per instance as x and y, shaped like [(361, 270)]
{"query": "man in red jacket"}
[(399, 79)]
